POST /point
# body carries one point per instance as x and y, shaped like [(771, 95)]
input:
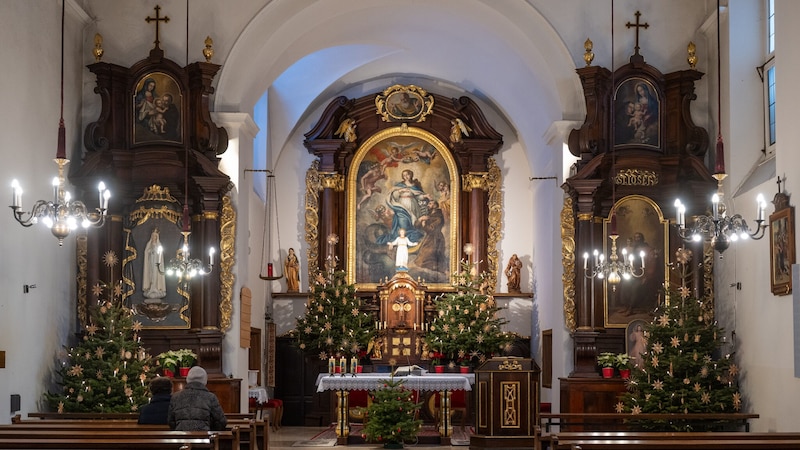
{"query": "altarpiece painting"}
[(403, 182)]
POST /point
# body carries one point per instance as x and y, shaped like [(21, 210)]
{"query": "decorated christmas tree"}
[(682, 369), (466, 329), (108, 371), (393, 416), (334, 324)]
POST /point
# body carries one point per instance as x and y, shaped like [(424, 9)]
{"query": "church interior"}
[(279, 154)]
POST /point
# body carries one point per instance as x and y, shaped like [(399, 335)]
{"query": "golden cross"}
[(157, 19), (637, 25)]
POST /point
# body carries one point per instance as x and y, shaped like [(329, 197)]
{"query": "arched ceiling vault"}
[(505, 54)]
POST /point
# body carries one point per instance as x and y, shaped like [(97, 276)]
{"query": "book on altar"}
[(403, 371)]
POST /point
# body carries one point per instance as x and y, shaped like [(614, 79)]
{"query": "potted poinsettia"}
[(169, 363), (436, 361), (186, 359), (622, 361), (606, 361)]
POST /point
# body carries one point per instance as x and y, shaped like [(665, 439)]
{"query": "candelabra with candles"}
[(183, 266), (62, 214), (613, 269), (718, 228)]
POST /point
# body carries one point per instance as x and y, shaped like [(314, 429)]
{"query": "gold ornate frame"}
[(781, 253), (636, 298), (390, 135)]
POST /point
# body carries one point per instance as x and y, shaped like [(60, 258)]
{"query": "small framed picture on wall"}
[(782, 256)]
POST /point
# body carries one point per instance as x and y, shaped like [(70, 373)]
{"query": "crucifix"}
[(637, 25), (157, 19)]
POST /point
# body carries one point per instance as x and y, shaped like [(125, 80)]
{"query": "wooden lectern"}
[(507, 397)]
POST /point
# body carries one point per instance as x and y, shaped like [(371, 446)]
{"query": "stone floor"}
[(285, 438)]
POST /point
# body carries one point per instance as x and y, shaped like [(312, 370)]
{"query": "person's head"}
[(160, 386), (637, 107), (167, 98), (150, 85), (197, 374), (638, 237), (401, 232), (630, 107), (641, 90), (159, 102), (291, 251), (408, 175)]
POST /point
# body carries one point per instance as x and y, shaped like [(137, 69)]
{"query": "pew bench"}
[(151, 438), (673, 440), (254, 434)]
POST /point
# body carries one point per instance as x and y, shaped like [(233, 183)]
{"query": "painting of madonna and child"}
[(402, 211)]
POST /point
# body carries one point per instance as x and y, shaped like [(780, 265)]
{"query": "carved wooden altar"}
[(162, 166), (621, 157)]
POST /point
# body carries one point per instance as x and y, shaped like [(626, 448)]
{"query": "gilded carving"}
[(347, 130), (474, 180), (510, 391), (495, 204), (313, 186), (510, 364), (636, 177), (400, 103), (332, 180), (568, 263), (227, 257), (81, 253)]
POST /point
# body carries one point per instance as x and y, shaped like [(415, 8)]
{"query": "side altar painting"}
[(157, 109), (402, 209)]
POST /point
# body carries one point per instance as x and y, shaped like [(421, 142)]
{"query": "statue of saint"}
[(292, 271), (512, 272)]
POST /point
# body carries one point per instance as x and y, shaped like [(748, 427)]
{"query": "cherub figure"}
[(347, 130), (458, 129)]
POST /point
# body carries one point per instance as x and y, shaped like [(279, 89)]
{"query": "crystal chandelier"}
[(61, 214), (720, 229)]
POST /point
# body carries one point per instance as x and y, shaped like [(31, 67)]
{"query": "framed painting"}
[(637, 114), (642, 229), (157, 105), (636, 341), (781, 254), (401, 103), (157, 300), (402, 209)]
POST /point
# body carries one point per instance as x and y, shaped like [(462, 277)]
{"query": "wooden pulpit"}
[(507, 401)]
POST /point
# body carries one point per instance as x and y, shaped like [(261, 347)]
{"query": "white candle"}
[(16, 194), (641, 255), (211, 256), (585, 260), (715, 206), (761, 206)]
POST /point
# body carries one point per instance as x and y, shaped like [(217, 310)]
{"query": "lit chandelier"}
[(61, 214), (719, 229), (183, 266), (613, 269)]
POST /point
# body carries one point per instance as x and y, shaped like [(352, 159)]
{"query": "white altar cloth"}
[(374, 381)]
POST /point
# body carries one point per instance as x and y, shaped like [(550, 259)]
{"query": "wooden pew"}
[(221, 440), (244, 433), (674, 440), (627, 422), (111, 440)]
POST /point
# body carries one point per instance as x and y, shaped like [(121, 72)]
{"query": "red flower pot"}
[(608, 372), (438, 369), (168, 373), (625, 373), (359, 369), (464, 369), (183, 371)]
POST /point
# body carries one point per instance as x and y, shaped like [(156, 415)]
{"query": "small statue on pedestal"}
[(512, 272), (292, 271)]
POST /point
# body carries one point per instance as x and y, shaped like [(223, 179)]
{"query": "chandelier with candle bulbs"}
[(62, 214), (613, 269), (720, 229), (183, 266)]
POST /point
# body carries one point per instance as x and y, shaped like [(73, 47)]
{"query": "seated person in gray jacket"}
[(195, 408)]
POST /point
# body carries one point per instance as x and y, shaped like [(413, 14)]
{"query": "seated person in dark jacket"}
[(155, 412), (195, 408)]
